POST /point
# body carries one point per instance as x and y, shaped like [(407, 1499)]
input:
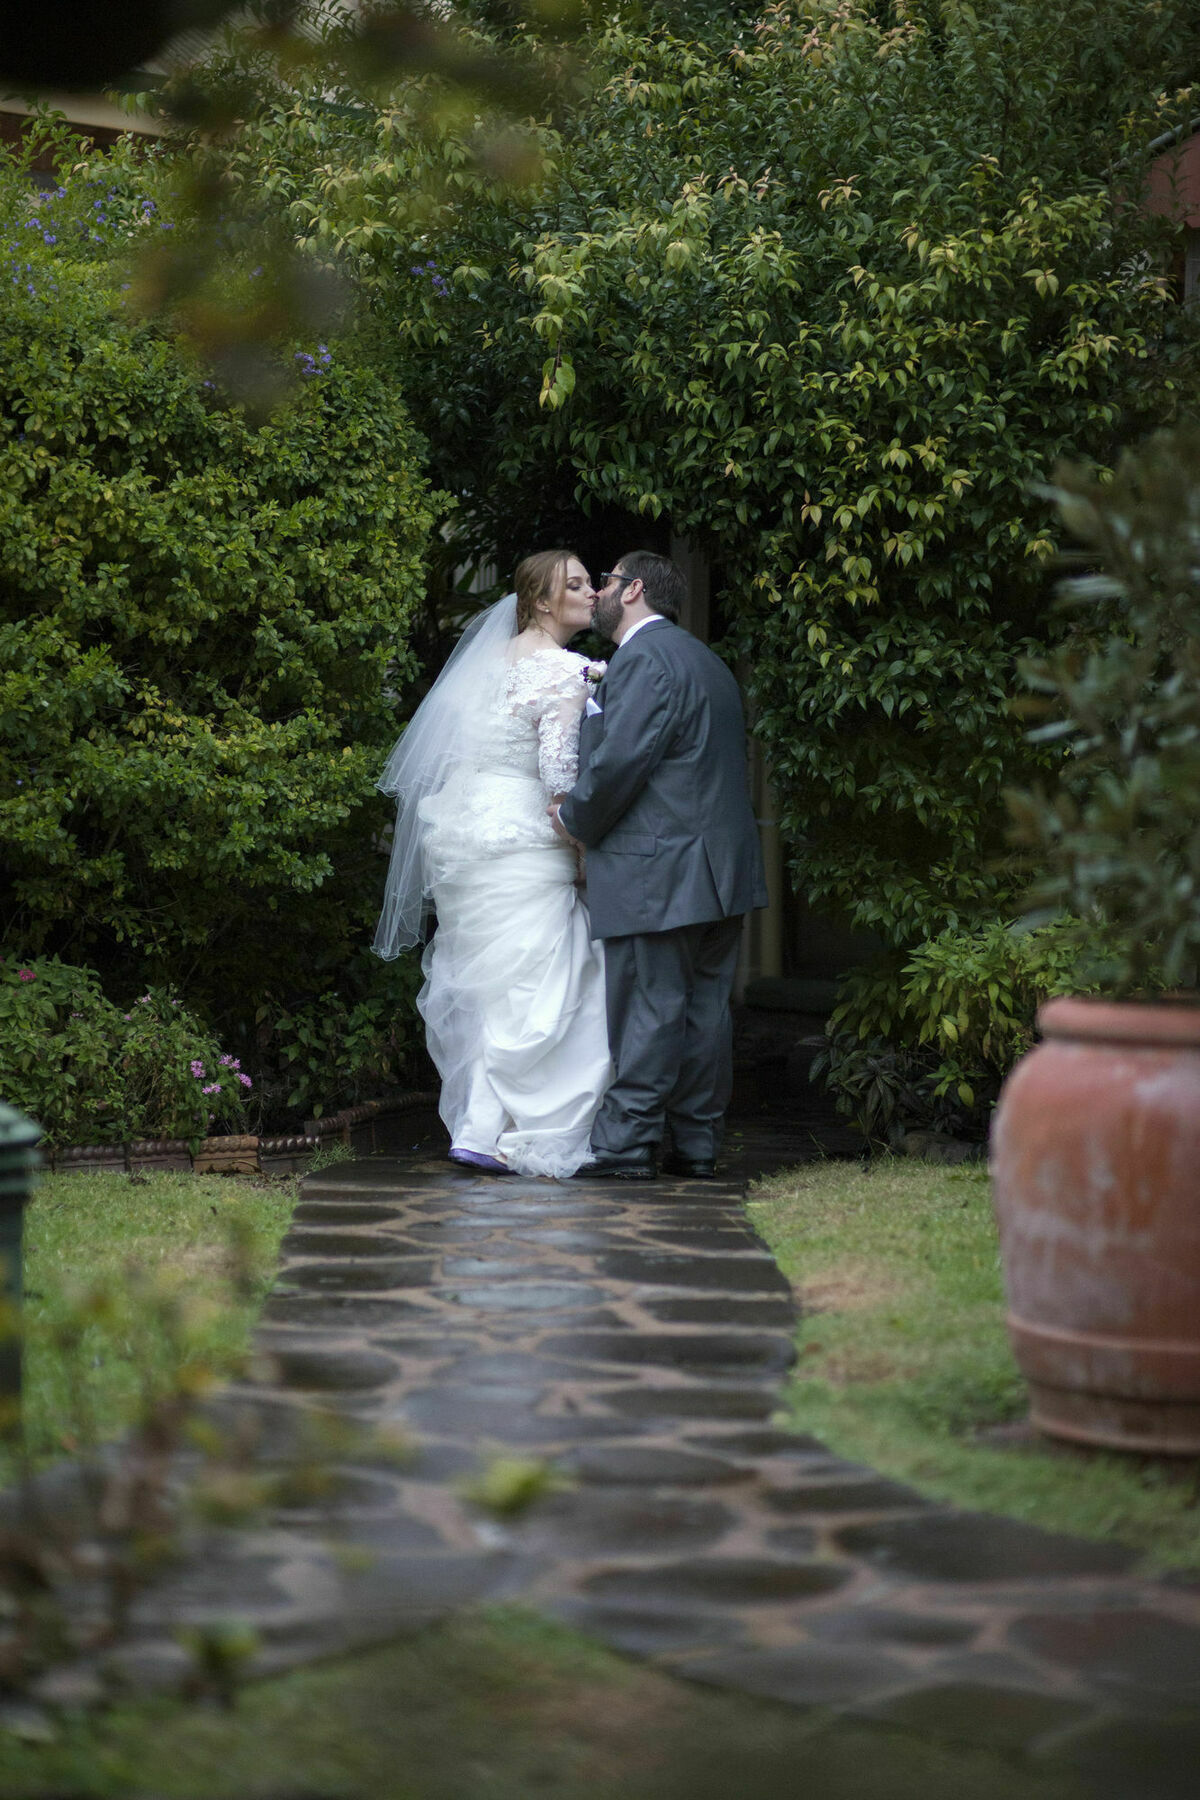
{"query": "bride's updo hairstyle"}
[(539, 580)]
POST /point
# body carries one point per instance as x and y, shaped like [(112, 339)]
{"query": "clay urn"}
[(1095, 1159)]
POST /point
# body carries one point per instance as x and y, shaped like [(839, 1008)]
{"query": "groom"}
[(662, 806)]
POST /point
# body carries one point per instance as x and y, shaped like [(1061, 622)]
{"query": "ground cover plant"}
[(132, 1284), (504, 1706), (904, 1361)]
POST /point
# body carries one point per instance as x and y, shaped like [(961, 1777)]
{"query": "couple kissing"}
[(577, 1031)]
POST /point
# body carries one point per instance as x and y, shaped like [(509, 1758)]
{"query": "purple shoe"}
[(475, 1159)]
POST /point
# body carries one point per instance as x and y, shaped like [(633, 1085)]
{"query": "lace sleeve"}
[(547, 693), (558, 730)]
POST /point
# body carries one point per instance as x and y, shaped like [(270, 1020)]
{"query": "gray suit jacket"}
[(662, 801)]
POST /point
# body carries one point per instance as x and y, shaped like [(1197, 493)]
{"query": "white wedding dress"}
[(513, 1000)]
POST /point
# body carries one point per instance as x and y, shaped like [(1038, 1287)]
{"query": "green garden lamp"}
[(19, 1139)]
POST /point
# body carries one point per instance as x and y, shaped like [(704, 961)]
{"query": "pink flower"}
[(214, 1087), (245, 1080), (198, 1070), (26, 975)]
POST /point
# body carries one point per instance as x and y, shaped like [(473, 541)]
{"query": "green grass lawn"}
[(130, 1279), (496, 1706), (903, 1357)]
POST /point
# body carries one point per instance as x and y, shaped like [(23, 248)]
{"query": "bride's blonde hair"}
[(539, 578)]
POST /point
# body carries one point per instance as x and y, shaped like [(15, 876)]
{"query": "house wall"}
[(1173, 192)]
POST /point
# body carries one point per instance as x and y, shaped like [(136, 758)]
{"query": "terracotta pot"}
[(1096, 1181)]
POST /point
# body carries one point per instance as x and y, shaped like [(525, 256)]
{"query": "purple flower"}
[(214, 1087), (48, 237), (198, 1070), (245, 1081), (26, 975), (230, 1062)]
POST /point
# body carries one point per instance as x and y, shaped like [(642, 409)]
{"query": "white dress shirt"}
[(654, 619)]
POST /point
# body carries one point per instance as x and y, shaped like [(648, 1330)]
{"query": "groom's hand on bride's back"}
[(560, 828)]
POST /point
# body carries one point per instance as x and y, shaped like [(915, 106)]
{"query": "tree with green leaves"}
[(829, 289)]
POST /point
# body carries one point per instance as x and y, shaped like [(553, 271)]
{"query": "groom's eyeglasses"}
[(606, 575)]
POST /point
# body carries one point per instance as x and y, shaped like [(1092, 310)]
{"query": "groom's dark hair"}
[(663, 585)]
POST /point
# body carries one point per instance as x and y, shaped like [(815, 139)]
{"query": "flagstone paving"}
[(635, 1337)]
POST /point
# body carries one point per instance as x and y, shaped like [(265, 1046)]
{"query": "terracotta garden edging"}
[(243, 1155)]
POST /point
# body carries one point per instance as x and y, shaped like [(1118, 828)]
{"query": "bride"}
[(513, 1000)]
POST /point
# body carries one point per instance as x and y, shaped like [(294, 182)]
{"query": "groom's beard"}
[(606, 614)]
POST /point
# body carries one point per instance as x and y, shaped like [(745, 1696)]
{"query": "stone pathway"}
[(636, 1337)]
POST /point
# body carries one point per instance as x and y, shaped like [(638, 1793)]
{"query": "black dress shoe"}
[(690, 1168), (618, 1165)]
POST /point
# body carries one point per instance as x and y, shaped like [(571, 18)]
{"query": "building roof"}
[(88, 112)]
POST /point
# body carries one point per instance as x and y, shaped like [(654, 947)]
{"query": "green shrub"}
[(203, 629), (90, 1073), (886, 1089), (925, 1042), (1117, 834), (346, 1045)]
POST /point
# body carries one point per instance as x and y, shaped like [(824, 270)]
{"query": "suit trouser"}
[(670, 1036)]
